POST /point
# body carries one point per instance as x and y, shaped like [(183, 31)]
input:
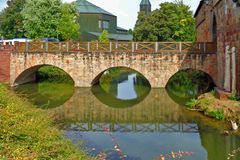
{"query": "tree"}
[(104, 36), (67, 27), (172, 22), (41, 18), (11, 20), (50, 18)]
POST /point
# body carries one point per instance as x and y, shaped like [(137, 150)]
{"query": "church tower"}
[(145, 6)]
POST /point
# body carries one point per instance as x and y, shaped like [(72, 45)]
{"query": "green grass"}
[(234, 98), (219, 114), (28, 133), (192, 103)]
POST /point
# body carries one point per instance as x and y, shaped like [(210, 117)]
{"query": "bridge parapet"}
[(127, 47)]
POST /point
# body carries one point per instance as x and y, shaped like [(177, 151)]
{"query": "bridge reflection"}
[(141, 128)]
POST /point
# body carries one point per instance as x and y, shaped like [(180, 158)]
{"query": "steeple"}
[(145, 6)]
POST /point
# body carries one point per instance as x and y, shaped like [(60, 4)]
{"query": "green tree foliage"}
[(41, 18), (67, 27), (104, 36), (11, 20), (172, 22), (50, 18)]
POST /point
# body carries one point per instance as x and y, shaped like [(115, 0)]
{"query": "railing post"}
[(46, 49), (27, 46), (180, 47), (67, 46), (204, 47), (156, 47), (88, 46), (110, 47), (132, 47), (78, 46)]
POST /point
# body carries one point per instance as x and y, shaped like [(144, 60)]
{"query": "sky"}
[(125, 10)]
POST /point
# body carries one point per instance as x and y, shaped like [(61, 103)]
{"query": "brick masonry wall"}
[(85, 67), (5, 55), (228, 34)]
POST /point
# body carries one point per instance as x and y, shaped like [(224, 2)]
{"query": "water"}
[(126, 120)]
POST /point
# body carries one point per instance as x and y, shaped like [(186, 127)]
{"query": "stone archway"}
[(29, 74)]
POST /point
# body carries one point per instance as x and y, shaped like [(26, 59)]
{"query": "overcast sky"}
[(125, 10)]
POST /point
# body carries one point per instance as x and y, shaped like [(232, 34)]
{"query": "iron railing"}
[(131, 47)]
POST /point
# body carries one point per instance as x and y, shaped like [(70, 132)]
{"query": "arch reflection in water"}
[(46, 94), (121, 87), (187, 84)]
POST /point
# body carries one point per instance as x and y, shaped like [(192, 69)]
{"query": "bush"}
[(219, 114), (234, 98), (192, 103)]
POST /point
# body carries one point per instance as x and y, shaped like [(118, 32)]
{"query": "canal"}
[(122, 118)]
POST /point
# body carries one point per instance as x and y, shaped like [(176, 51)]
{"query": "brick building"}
[(219, 21)]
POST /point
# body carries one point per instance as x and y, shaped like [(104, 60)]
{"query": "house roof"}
[(199, 7), (121, 29), (84, 6), (119, 37), (145, 2)]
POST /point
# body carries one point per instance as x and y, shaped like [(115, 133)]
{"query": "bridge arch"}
[(98, 75), (29, 74), (202, 77)]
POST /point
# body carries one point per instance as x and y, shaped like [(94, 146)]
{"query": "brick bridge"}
[(86, 61)]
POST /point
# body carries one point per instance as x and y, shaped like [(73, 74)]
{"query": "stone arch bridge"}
[(85, 61)]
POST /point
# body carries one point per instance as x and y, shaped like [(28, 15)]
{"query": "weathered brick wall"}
[(5, 55), (85, 67), (203, 24), (227, 15)]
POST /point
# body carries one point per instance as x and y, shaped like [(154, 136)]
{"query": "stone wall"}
[(227, 15), (85, 67), (5, 55)]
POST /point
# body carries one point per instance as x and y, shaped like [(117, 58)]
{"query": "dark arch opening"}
[(30, 74), (97, 78), (120, 87), (189, 83)]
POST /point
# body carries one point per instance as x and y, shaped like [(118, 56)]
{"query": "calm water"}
[(126, 120)]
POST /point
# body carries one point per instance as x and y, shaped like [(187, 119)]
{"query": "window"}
[(99, 24), (105, 24)]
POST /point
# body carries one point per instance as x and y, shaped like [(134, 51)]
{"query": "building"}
[(93, 20), (219, 21), (146, 7)]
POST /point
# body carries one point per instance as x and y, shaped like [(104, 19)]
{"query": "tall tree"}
[(41, 18), (11, 20), (172, 22), (68, 27), (104, 36), (50, 18)]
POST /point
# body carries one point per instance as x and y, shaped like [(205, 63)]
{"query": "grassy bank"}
[(215, 108), (28, 133)]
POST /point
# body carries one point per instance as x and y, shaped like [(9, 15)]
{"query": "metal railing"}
[(131, 47)]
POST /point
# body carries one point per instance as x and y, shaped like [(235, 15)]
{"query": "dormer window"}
[(105, 24)]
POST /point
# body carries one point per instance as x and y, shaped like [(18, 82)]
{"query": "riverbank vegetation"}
[(29, 133), (215, 108)]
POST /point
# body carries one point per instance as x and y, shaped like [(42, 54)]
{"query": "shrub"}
[(219, 114), (192, 103)]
